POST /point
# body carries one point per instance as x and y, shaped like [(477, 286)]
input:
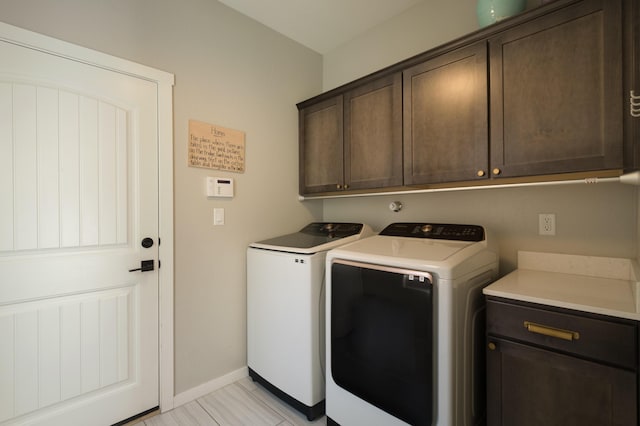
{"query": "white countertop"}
[(600, 285)]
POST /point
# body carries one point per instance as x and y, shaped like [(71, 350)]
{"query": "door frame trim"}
[(164, 82)]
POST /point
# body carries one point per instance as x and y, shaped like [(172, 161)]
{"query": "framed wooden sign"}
[(215, 147)]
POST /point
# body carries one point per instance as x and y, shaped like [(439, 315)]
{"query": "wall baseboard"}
[(208, 387)]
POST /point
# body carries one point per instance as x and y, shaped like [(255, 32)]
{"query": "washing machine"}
[(285, 311), (405, 326)]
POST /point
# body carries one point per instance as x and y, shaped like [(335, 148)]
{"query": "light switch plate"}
[(218, 216)]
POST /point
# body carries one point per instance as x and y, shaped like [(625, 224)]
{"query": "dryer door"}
[(382, 337)]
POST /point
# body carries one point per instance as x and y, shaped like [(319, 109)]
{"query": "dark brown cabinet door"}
[(631, 16), (321, 147), (559, 367), (556, 92), (528, 386), (445, 117), (373, 134), (353, 140)]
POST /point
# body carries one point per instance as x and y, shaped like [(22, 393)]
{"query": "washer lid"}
[(314, 237)]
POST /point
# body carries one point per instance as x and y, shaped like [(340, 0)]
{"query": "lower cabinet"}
[(549, 366)]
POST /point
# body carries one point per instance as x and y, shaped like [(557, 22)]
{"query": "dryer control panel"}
[(436, 231)]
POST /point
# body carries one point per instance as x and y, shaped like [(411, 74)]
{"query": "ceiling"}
[(321, 25)]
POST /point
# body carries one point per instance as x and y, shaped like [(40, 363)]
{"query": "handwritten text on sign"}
[(215, 147)]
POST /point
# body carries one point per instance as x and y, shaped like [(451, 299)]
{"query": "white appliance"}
[(405, 326), (285, 311)]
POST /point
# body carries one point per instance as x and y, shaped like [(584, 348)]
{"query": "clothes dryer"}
[(405, 326)]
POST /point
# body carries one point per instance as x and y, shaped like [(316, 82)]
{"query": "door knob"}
[(147, 242), (145, 265)]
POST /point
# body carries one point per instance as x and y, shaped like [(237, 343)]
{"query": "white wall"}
[(232, 72), (595, 220), (638, 226), (599, 220), (422, 27), (426, 25)]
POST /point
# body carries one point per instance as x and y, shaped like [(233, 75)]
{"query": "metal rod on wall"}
[(632, 178)]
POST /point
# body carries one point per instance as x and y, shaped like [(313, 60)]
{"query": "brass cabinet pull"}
[(480, 173), (496, 171), (551, 331), (338, 186)]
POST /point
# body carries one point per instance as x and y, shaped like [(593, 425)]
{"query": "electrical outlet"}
[(547, 224)]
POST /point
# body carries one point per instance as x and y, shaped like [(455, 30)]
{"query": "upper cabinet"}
[(353, 140), (373, 134), (445, 117), (548, 92), (556, 92), (321, 146), (631, 16)]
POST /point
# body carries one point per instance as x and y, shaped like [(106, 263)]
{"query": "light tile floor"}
[(243, 403)]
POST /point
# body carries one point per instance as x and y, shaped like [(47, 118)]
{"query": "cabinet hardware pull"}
[(496, 171), (338, 186), (634, 104), (480, 173), (551, 331)]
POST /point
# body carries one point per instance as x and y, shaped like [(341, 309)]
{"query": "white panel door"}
[(78, 193)]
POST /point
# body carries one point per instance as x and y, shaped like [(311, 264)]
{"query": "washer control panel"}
[(436, 231)]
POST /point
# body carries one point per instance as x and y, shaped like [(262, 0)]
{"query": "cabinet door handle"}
[(551, 331), (634, 104)]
